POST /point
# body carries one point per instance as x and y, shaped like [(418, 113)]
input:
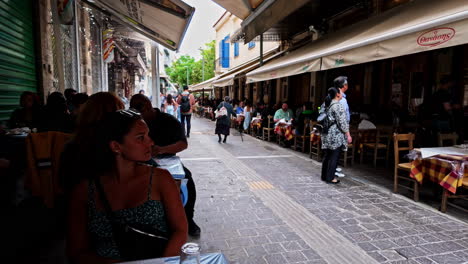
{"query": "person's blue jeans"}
[(186, 119)]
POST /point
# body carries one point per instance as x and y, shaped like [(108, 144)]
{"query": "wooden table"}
[(447, 166), (284, 129)]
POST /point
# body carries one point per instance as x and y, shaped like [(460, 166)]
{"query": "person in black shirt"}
[(306, 113), (264, 113), (169, 139)]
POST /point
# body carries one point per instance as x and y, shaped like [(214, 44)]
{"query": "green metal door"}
[(17, 63)]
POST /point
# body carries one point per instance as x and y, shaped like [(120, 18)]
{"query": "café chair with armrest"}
[(442, 138), (406, 139), (267, 132)]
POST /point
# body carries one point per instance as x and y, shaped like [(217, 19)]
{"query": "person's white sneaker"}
[(339, 169), (340, 175)]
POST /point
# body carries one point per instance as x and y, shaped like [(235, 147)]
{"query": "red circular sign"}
[(436, 36)]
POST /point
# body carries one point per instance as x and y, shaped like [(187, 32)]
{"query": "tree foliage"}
[(178, 70)]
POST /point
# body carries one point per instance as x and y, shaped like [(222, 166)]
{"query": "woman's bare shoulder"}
[(162, 174)]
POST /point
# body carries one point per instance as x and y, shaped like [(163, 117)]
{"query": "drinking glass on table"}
[(190, 253)]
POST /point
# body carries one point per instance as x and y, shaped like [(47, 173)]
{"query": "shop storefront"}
[(18, 72)]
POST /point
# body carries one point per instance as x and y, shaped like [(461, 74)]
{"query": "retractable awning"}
[(163, 21), (228, 78), (240, 8), (287, 65), (207, 85), (418, 26)]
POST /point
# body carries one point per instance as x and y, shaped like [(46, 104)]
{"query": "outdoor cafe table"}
[(315, 138), (444, 165), (256, 121), (208, 258), (284, 129)]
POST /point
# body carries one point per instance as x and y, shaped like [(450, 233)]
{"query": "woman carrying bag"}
[(223, 121), (335, 138), (125, 210)]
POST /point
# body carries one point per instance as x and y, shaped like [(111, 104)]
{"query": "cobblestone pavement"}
[(260, 203)]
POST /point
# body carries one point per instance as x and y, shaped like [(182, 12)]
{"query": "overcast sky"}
[(201, 28)]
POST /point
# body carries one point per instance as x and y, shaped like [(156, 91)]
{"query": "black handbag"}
[(134, 242)]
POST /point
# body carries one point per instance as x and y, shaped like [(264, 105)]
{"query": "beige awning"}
[(207, 85), (162, 21), (239, 8), (228, 78), (285, 66), (421, 25), (418, 26)]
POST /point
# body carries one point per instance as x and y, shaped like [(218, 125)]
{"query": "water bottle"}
[(190, 253)]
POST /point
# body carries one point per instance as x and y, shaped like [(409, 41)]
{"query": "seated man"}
[(283, 113), (240, 108), (169, 139)]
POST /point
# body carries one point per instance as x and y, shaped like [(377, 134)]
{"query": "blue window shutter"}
[(236, 49), (251, 44), (226, 54), (221, 46)]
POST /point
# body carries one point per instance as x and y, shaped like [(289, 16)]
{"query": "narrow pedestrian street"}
[(260, 203)]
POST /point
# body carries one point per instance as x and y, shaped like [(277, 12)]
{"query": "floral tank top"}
[(150, 213)]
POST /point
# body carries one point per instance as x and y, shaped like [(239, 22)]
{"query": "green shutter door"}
[(17, 63)]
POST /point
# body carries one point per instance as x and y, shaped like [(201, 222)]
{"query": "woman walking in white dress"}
[(170, 107)]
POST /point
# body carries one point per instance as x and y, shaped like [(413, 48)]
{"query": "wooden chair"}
[(43, 151), (315, 150), (444, 137), (446, 195), (378, 142), (267, 132), (300, 140), (397, 139), (349, 155)]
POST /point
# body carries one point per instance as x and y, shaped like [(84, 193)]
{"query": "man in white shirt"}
[(341, 82)]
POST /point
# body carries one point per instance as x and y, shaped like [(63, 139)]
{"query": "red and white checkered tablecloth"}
[(256, 122), (315, 138), (284, 130), (447, 170)]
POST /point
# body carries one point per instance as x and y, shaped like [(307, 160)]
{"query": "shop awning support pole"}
[(155, 75), (261, 49)]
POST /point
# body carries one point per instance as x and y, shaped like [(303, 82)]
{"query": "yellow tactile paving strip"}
[(260, 185)]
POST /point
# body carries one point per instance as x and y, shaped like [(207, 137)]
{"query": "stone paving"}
[(244, 190)]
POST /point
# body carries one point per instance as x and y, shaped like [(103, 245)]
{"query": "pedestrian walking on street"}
[(186, 102), (223, 123), (170, 107), (336, 138)]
